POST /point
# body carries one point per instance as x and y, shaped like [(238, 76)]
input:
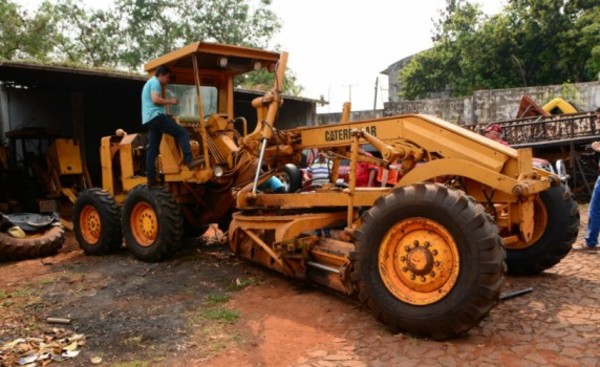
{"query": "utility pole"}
[(375, 99), (349, 91)]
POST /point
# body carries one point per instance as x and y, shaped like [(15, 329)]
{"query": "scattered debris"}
[(58, 320), (514, 294), (54, 345), (96, 360)]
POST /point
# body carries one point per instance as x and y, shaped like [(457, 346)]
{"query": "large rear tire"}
[(152, 223), (428, 261), (41, 244), (97, 222), (557, 215)]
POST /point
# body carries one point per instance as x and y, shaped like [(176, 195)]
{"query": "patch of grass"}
[(215, 299), (3, 295), (47, 281), (243, 283), (133, 340), (221, 314), (132, 364)]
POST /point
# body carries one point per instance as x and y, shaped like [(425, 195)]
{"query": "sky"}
[(338, 48)]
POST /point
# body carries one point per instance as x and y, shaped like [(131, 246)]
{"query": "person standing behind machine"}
[(494, 132), (593, 229), (155, 118)]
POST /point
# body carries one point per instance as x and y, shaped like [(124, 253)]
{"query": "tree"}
[(23, 35), (91, 37), (531, 43), (132, 32)]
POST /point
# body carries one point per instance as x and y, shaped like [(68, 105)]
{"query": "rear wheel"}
[(557, 223), (428, 261), (96, 222), (152, 223)]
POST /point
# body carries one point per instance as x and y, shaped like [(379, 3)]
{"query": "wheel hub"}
[(418, 261), (90, 224), (144, 224)]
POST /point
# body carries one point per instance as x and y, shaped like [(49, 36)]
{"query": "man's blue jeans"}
[(163, 124), (591, 238)]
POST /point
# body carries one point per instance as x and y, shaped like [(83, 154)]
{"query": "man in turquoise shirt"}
[(155, 118)]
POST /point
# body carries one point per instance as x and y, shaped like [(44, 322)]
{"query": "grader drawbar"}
[(427, 255)]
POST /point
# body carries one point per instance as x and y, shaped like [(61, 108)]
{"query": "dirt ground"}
[(207, 308)]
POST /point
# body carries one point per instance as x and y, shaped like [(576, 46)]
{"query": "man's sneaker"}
[(195, 163), (585, 248)]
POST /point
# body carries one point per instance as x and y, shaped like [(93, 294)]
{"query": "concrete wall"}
[(330, 118), (497, 104)]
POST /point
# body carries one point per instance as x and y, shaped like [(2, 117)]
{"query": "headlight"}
[(223, 62)]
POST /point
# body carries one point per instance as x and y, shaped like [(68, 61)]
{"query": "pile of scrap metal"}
[(28, 235), (41, 171)]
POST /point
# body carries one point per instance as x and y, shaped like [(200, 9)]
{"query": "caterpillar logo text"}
[(344, 134)]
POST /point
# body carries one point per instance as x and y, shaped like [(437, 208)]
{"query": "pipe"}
[(322, 267)]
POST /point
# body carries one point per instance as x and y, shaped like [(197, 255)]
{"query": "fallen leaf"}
[(96, 360), (71, 347)]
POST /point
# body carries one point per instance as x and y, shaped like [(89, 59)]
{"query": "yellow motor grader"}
[(427, 255)]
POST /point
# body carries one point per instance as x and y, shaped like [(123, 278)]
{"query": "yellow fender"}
[(561, 104)]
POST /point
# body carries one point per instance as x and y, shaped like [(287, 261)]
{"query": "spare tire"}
[(38, 244)]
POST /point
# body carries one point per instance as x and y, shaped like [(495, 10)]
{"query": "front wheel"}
[(428, 261), (556, 219), (152, 223)]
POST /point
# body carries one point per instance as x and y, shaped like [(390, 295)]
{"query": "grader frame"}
[(426, 256)]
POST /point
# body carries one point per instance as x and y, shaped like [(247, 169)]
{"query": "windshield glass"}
[(188, 104)]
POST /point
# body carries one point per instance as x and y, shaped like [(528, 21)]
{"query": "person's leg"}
[(169, 126), (154, 137), (591, 238)]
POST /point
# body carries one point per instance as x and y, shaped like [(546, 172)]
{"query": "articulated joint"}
[(520, 190)]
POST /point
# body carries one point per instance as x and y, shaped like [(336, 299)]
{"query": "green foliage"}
[(221, 314), (23, 35), (215, 299), (531, 43), (132, 32)]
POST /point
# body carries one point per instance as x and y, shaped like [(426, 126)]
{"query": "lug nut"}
[(434, 252), (416, 243), (412, 277), (423, 279), (432, 274), (403, 258), (427, 244), (405, 269), (437, 263)]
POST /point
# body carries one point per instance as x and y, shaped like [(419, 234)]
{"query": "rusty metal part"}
[(90, 224), (144, 224), (419, 261)]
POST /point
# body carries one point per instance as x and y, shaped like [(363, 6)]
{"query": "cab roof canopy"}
[(211, 57)]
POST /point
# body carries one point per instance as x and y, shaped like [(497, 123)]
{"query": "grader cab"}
[(427, 256)]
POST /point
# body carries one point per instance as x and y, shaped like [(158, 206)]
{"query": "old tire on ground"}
[(152, 223), (557, 211), (97, 222), (43, 243), (428, 261)]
